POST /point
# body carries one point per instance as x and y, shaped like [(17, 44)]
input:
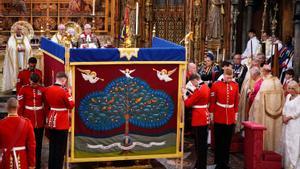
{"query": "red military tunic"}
[(224, 102), (199, 101), (31, 104), (18, 142), (58, 101), (24, 77)]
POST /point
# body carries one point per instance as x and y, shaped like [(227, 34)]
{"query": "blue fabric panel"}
[(161, 54), (94, 55), (164, 51), (144, 54), (53, 48), (162, 43)]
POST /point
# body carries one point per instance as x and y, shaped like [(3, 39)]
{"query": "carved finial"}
[(154, 31)]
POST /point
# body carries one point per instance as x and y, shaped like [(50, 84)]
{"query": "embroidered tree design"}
[(126, 100)]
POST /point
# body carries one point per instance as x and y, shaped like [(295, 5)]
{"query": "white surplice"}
[(18, 51), (253, 47)]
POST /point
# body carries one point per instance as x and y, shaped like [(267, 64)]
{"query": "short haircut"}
[(294, 85), (32, 60), (264, 32), (260, 54), (61, 75), (252, 31), (225, 63), (255, 71), (12, 103), (228, 71), (290, 72), (267, 68), (87, 26), (237, 54), (191, 64), (35, 78), (194, 76)]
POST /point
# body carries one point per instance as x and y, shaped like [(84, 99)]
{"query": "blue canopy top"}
[(162, 50)]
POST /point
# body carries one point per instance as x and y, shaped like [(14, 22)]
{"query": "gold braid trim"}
[(279, 110)]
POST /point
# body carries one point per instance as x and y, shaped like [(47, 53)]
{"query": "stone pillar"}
[(296, 59), (247, 21), (253, 145), (148, 23), (235, 12)]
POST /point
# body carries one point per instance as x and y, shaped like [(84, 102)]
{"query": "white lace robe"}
[(291, 134)]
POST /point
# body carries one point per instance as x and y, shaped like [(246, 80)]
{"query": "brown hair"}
[(194, 76), (228, 71), (12, 103), (61, 75)]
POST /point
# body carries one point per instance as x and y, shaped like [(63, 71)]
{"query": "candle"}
[(223, 54), (94, 7), (218, 51), (137, 19)]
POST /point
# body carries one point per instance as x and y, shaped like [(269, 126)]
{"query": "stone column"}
[(148, 22), (248, 21), (235, 13), (296, 59)]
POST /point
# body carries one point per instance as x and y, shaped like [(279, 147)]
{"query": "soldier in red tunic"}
[(17, 143), (199, 101), (30, 99), (58, 101), (224, 106), (24, 75)]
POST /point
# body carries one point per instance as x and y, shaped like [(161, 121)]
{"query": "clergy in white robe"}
[(58, 37), (267, 40), (18, 51), (291, 127), (253, 47)]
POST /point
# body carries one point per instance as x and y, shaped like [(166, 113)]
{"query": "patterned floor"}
[(236, 161)]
